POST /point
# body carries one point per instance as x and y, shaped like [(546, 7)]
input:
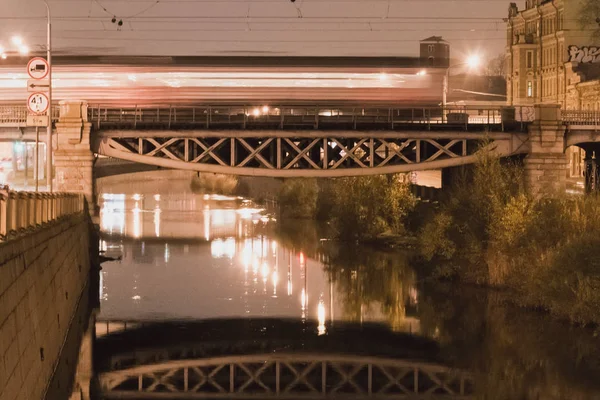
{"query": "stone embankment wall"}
[(42, 277)]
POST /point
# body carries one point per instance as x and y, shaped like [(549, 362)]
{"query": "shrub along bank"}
[(490, 231)]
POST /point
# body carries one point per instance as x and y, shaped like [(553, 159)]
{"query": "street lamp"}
[(17, 42), (472, 62)]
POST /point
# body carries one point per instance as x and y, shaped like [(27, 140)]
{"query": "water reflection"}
[(201, 258), (231, 268)]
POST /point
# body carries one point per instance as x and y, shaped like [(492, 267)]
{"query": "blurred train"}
[(399, 81)]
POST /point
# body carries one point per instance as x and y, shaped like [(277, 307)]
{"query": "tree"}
[(369, 206), (298, 198), (496, 66)]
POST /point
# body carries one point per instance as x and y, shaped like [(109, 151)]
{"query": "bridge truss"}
[(302, 153), (287, 376)]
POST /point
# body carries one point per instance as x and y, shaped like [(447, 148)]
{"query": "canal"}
[(206, 267)]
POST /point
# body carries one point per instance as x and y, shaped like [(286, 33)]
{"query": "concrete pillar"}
[(73, 159), (546, 164)]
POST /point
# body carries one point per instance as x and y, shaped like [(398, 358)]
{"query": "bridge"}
[(325, 140)]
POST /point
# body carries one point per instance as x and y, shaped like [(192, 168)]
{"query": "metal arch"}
[(287, 376), (301, 154)]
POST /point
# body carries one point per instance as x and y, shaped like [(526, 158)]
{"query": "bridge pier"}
[(546, 163), (73, 158), (591, 171)]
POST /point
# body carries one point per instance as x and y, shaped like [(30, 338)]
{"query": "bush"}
[(214, 183), (367, 207), (490, 231), (298, 198)]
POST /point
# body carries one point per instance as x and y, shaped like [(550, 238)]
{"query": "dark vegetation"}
[(486, 231)]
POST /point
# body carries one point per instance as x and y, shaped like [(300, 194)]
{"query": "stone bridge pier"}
[(73, 158), (546, 163)]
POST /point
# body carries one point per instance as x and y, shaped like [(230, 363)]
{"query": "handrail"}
[(580, 117), (16, 115), (22, 212), (301, 116)]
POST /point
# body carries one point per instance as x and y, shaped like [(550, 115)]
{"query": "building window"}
[(529, 89), (431, 61), (431, 48), (530, 59)]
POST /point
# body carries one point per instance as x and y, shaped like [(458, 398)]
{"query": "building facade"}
[(541, 40), (435, 52)]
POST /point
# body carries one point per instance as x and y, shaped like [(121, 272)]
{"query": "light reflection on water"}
[(197, 257)]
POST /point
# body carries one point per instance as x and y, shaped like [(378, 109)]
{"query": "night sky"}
[(252, 27)]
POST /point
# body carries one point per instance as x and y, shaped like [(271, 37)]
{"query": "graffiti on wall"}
[(584, 54)]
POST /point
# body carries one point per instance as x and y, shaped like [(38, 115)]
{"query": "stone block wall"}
[(42, 277), (546, 164)]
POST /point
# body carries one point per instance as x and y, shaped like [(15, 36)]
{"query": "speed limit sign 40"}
[(37, 103)]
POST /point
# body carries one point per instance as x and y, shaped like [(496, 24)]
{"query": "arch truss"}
[(297, 376), (287, 154)]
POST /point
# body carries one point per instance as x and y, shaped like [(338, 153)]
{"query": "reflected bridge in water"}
[(270, 358), (289, 376)]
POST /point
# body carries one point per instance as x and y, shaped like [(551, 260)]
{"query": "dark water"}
[(210, 258)]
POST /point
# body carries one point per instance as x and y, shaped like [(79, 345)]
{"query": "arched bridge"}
[(270, 359), (319, 141)]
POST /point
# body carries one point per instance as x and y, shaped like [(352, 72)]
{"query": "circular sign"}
[(38, 103), (37, 68)]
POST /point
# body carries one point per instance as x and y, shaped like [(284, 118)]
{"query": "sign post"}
[(37, 158), (40, 112)]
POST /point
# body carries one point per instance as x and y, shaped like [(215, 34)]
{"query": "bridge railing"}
[(578, 117), (16, 115), (301, 116), (21, 212)]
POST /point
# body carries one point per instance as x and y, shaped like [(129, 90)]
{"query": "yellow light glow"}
[(137, 229), (256, 112), (157, 222), (321, 318), (265, 270), (24, 50), (265, 109), (303, 299), (16, 40), (473, 61)]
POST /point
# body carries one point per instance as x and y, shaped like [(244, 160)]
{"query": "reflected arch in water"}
[(298, 376)]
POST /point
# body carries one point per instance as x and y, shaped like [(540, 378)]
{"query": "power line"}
[(267, 18), (243, 29), (280, 1), (299, 40)]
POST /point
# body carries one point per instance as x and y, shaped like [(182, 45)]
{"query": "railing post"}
[(4, 199)]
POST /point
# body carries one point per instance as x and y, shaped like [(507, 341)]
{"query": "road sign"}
[(37, 103), (37, 68), (38, 85), (37, 120)]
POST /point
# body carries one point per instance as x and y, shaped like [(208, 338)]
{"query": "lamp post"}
[(49, 129), (472, 62)]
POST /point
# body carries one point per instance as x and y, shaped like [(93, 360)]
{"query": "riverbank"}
[(486, 231)]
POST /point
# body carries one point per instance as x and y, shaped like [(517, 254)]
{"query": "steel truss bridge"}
[(306, 140), (309, 141), (287, 376)]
